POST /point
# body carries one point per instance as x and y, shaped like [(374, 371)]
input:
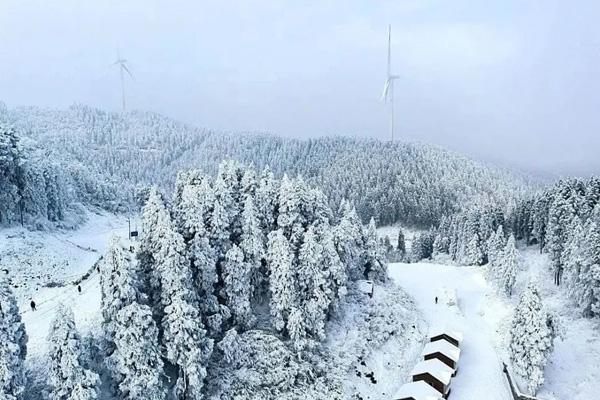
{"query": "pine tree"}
[(559, 217), (348, 240), (574, 256), (375, 267), (223, 222), (532, 336), (137, 357), (119, 288), (155, 220), (495, 247), (401, 245), (289, 218), (203, 262), (68, 377), (312, 289), (266, 201), (193, 210), (336, 272), (252, 242), (184, 337), (281, 280), (473, 253), (237, 278), (588, 285), (13, 346), (12, 179), (509, 266)]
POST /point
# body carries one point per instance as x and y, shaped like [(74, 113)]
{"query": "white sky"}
[(513, 81)]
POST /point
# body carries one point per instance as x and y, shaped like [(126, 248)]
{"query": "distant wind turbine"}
[(388, 89), (122, 63)]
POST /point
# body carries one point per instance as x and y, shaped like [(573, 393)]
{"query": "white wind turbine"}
[(122, 63), (388, 89)]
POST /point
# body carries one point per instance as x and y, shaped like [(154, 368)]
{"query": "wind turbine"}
[(122, 63), (388, 88)]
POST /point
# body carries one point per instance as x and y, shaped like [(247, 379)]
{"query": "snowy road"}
[(479, 369), (68, 248)]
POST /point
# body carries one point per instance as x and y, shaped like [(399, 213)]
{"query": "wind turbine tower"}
[(388, 89), (122, 63)]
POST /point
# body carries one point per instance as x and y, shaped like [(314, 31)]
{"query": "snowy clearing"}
[(479, 369), (34, 259)]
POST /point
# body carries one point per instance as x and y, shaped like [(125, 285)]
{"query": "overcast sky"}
[(512, 81)]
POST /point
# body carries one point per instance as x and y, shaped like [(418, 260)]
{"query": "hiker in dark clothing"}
[(32, 304), (436, 299), (79, 288)]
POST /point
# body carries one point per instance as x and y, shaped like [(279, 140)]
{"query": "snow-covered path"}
[(61, 256), (479, 369)]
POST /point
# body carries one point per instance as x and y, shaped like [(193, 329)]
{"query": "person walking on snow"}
[(436, 300), (32, 304)]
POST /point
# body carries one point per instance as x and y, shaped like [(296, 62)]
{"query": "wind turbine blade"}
[(126, 69), (386, 90)]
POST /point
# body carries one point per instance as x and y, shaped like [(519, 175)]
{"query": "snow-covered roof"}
[(444, 347), (458, 336), (435, 368), (365, 286), (417, 390)]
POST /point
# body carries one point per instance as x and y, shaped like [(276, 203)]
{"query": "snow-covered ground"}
[(479, 369), (572, 372), (33, 259), (484, 317)]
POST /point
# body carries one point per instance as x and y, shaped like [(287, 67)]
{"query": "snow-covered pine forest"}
[(231, 293), (412, 183), (248, 278)]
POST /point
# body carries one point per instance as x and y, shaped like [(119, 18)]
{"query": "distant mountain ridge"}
[(394, 182)]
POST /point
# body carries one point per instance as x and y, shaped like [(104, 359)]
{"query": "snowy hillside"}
[(409, 182)]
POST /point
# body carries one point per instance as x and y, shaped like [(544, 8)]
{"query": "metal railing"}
[(517, 395)]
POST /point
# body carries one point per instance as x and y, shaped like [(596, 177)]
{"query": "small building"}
[(453, 337), (435, 373), (417, 391), (444, 351), (366, 287)]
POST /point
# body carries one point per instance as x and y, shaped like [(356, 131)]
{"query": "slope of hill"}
[(408, 182)]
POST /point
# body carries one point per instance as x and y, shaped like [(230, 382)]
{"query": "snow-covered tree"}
[(375, 266), (348, 240), (183, 335), (252, 241), (155, 220), (13, 346), (422, 246), (137, 358), (508, 266), (118, 286), (312, 293), (532, 335), (336, 273), (237, 279), (587, 287), (224, 212), (401, 245), (290, 217), (204, 268), (266, 200), (68, 377), (281, 279), (495, 247), (473, 252)]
